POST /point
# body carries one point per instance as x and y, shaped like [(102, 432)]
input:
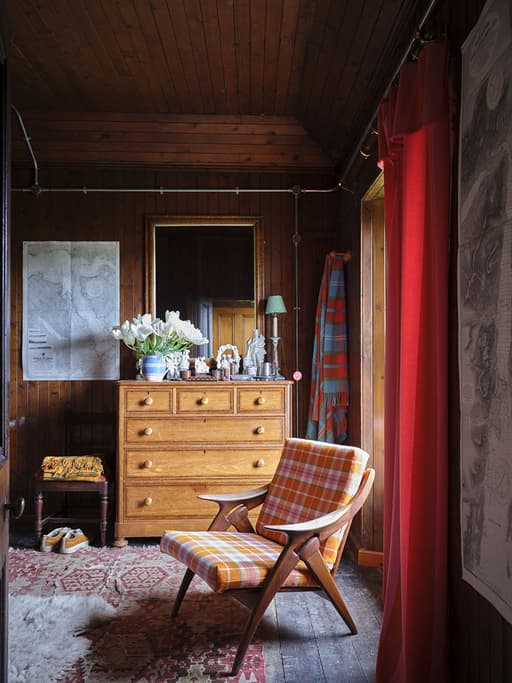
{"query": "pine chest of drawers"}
[(180, 439)]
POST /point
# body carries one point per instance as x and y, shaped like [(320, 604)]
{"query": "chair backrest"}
[(311, 479)]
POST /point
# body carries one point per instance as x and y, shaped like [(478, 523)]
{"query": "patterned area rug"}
[(142, 644)]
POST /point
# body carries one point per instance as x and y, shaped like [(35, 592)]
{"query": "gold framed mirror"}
[(210, 268)]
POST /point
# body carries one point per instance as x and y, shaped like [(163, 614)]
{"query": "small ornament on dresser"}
[(253, 362), (228, 360), (153, 337), (201, 366)]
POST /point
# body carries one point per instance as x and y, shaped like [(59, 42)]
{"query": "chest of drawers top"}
[(196, 398)]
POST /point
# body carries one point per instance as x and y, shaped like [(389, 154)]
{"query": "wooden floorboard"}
[(299, 647), (315, 644)]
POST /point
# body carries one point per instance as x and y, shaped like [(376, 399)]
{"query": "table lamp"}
[(275, 306)]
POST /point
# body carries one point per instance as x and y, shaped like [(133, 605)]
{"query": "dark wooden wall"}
[(38, 408)]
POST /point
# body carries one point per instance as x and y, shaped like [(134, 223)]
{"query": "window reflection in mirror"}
[(211, 270)]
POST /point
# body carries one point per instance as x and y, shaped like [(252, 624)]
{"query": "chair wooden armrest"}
[(237, 497), (311, 525), (234, 508)]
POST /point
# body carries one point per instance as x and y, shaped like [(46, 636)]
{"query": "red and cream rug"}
[(141, 643)]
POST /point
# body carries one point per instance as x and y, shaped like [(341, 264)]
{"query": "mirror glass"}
[(211, 270)]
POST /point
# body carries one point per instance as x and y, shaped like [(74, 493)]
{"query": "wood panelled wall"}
[(37, 409)]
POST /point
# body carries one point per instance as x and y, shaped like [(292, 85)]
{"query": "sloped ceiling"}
[(257, 83)]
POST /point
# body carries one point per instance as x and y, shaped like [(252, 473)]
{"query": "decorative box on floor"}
[(77, 474)]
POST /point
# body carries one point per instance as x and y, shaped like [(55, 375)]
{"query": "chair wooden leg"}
[(189, 575), (324, 578), (282, 568)]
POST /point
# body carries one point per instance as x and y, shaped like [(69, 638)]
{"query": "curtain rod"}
[(370, 126)]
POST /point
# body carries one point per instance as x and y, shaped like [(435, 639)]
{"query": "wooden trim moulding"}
[(370, 558)]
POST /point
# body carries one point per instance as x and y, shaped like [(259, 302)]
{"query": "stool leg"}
[(38, 500), (103, 517)]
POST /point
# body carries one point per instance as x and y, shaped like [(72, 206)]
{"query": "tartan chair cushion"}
[(311, 479), (228, 560)]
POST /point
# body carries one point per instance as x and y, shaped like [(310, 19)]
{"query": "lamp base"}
[(275, 359)]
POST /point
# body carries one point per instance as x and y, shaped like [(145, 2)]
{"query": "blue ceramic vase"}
[(153, 368)]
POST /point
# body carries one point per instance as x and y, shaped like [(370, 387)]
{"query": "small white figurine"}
[(256, 350), (172, 363), (201, 366), (224, 358), (185, 360)]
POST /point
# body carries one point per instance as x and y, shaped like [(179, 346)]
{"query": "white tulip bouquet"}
[(152, 336)]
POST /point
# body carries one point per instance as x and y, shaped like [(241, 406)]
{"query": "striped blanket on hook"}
[(329, 398)]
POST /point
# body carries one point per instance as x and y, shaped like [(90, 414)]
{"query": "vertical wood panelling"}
[(243, 42), (206, 79), (283, 66), (38, 408)]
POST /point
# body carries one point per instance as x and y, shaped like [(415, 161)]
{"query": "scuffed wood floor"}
[(306, 641)]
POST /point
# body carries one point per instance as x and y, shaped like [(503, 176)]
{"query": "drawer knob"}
[(260, 400), (148, 401), (204, 401), (148, 501), (148, 431), (259, 463), (148, 464), (260, 430)]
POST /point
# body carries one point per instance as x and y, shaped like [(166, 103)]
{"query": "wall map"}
[(70, 303), (485, 306)]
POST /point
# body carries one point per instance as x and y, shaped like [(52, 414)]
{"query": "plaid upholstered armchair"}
[(301, 530)]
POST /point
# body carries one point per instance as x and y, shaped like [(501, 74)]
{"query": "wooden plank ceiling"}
[(240, 84)]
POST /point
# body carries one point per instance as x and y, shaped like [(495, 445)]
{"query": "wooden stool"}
[(63, 518), (84, 433)]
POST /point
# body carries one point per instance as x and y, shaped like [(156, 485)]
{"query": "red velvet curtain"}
[(414, 151)]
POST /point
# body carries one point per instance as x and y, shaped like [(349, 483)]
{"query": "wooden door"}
[(232, 325)]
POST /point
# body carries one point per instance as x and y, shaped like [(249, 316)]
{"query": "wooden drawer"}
[(204, 430), (204, 400), (164, 501), (264, 399), (149, 464), (149, 400)]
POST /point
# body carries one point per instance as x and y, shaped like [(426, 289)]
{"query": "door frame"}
[(373, 312)]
